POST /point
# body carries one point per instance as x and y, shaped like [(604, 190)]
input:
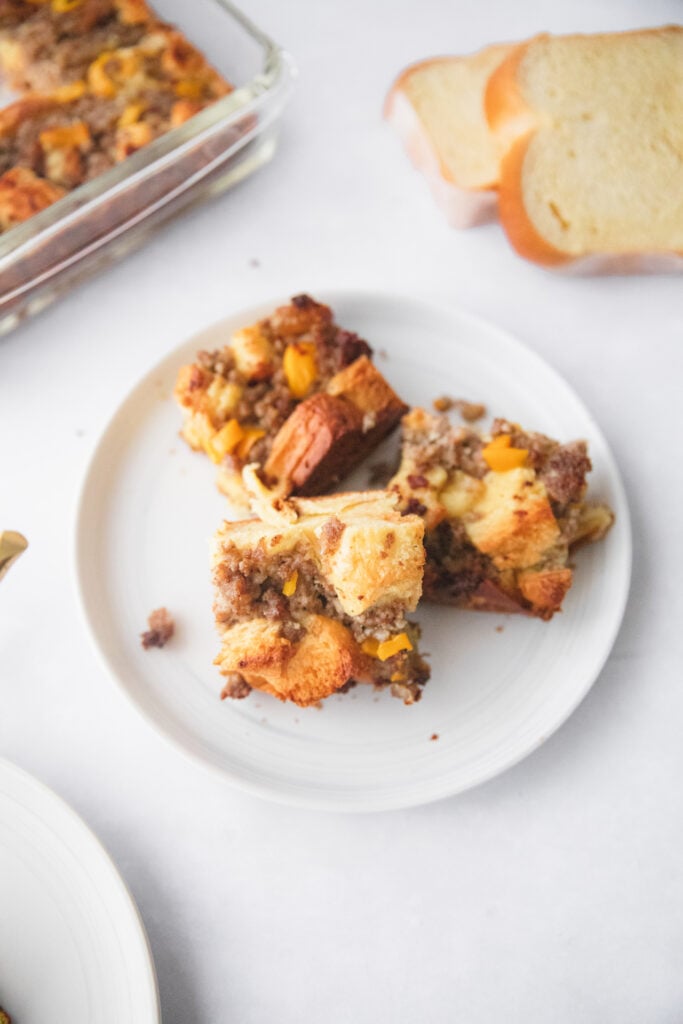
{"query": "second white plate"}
[(149, 507), (72, 946)]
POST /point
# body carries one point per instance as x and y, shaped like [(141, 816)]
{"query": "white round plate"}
[(72, 945), (149, 507)]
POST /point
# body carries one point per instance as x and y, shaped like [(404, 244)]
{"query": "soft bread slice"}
[(590, 130), (308, 599), (437, 108)]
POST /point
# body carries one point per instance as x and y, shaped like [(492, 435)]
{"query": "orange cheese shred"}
[(225, 441), (290, 584), (300, 367), (499, 456), (386, 649)]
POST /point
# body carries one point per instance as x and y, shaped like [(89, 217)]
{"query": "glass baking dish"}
[(101, 221)]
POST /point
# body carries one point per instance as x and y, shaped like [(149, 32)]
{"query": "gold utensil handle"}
[(11, 546)]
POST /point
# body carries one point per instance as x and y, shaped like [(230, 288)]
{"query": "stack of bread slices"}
[(576, 142)]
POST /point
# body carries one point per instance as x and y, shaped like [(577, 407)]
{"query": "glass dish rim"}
[(276, 71)]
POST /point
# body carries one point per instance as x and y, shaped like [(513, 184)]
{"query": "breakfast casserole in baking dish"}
[(105, 78), (120, 124)]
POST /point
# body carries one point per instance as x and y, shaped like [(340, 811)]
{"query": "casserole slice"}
[(314, 597), (502, 512), (295, 393)]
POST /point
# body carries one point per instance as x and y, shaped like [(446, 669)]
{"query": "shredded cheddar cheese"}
[(393, 645), (72, 91), (65, 136), (189, 88), (225, 441), (109, 71), (300, 367), (386, 649), (131, 114), (290, 584), (499, 456), (251, 436)]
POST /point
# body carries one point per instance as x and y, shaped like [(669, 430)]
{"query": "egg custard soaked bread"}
[(295, 393), (590, 130), (437, 108), (313, 597), (502, 512)]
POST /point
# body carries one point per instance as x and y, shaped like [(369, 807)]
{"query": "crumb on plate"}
[(470, 411), (236, 687), (161, 629)]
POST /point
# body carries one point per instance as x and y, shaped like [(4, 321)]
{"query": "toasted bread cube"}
[(253, 353)]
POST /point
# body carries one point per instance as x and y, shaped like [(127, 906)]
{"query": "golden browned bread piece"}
[(22, 194), (314, 597), (502, 512), (295, 393)]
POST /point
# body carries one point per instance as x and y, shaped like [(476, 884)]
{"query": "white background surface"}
[(554, 893)]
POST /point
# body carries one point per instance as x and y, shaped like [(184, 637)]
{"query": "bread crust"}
[(541, 599), (513, 123), (506, 110), (519, 228), (545, 590), (316, 446), (328, 434)]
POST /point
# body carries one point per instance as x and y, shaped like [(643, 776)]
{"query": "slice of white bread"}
[(437, 108), (590, 130)]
